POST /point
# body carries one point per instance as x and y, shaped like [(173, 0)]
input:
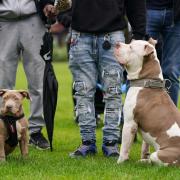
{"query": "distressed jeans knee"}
[(112, 77)]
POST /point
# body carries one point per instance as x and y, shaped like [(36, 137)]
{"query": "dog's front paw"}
[(145, 161), (121, 159)]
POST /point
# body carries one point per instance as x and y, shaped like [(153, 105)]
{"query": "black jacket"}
[(176, 7), (102, 16)]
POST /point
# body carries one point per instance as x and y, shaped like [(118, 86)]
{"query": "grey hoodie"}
[(14, 9)]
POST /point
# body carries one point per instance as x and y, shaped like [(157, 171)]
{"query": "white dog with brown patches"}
[(148, 106)]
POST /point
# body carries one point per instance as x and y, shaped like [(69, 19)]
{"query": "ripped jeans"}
[(88, 61)]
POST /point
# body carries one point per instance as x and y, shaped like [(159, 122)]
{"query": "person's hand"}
[(57, 28), (49, 11)]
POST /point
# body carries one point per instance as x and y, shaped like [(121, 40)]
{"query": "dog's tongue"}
[(12, 129)]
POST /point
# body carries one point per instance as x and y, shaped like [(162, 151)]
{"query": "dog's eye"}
[(16, 99), (5, 98)]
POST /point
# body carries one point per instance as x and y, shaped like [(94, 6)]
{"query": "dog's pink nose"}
[(118, 45)]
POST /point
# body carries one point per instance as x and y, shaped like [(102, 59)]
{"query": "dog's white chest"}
[(130, 103)]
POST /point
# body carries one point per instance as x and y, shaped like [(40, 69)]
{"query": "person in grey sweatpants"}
[(21, 32)]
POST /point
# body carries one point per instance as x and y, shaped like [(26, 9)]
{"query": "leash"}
[(10, 122)]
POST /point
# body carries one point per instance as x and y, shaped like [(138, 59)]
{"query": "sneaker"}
[(39, 141), (110, 150), (84, 150)]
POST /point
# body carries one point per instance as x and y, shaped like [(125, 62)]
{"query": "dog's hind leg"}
[(155, 159), (128, 134), (166, 157)]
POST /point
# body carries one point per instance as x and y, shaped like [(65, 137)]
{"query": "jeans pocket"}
[(74, 40), (117, 37)]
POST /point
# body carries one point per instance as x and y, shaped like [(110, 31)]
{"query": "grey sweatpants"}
[(24, 38)]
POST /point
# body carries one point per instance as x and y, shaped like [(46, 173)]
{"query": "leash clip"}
[(168, 84)]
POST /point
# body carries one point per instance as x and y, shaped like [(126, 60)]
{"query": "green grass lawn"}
[(48, 165)]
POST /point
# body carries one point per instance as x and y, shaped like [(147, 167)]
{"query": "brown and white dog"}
[(149, 109), (13, 125)]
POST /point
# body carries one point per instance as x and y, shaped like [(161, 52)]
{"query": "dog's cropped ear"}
[(25, 94), (152, 41), (2, 92), (148, 49)]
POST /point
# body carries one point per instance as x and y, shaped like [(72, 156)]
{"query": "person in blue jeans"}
[(163, 22), (96, 28)]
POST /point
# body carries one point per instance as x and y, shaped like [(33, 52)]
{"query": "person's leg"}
[(31, 33), (111, 73), (171, 55), (83, 68), (9, 54), (155, 20)]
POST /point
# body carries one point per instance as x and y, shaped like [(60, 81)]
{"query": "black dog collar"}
[(11, 118)]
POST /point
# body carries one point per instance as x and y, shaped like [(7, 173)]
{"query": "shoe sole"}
[(37, 147), (81, 156), (113, 155)]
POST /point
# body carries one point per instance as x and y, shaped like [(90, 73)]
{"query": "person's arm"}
[(65, 18), (136, 13), (63, 21), (48, 8), (43, 3)]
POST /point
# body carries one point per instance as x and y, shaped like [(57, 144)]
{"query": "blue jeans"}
[(160, 24), (88, 61)]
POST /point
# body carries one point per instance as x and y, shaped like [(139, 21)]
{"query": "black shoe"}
[(84, 150), (110, 149), (39, 141)]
